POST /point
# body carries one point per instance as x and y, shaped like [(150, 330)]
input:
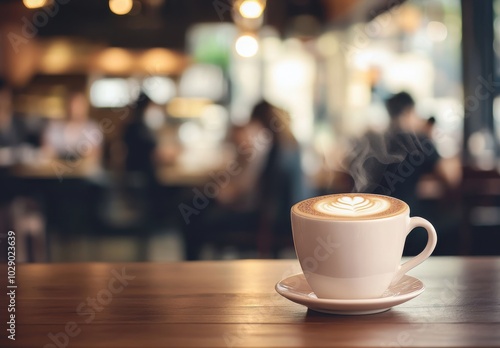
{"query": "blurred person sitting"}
[(75, 139), (256, 197), (394, 162), (29, 224), (73, 148), (19, 134)]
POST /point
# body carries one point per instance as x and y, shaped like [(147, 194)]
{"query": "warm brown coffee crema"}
[(350, 206)]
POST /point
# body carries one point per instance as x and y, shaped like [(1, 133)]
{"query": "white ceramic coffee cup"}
[(356, 259)]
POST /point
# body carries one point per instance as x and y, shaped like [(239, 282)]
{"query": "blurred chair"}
[(480, 232), (29, 225)]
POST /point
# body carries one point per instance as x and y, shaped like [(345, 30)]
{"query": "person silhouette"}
[(258, 199), (393, 162)]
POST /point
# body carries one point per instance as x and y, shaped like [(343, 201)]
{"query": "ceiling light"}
[(34, 3), (251, 9), (120, 7), (115, 60)]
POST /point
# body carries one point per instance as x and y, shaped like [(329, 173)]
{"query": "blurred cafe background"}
[(163, 130)]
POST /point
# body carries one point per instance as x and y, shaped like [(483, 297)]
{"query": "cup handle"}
[(429, 248)]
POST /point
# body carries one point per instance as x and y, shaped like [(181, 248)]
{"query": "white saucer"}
[(296, 289)]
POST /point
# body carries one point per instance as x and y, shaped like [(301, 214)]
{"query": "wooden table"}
[(233, 304)]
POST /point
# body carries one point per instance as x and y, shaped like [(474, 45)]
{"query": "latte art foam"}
[(350, 206)]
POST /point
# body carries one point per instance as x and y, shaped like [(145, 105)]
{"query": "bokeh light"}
[(251, 9), (115, 60), (120, 7), (247, 46), (34, 3), (436, 31)]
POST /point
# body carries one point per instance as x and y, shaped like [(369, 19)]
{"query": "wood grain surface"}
[(233, 304)]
